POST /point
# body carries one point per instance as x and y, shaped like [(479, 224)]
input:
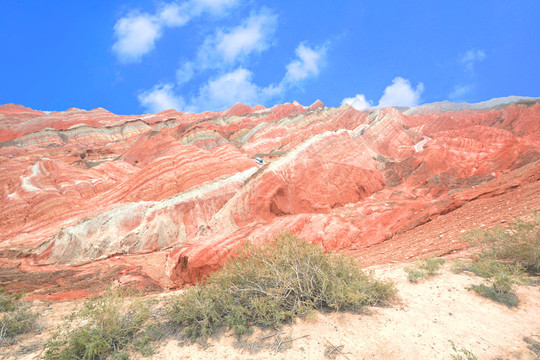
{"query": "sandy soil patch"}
[(418, 325)]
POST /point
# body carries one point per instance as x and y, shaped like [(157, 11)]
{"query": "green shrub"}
[(106, 325), (414, 275), (459, 266), (16, 317), (500, 289), (8, 302), (501, 279), (505, 256), (274, 283), (432, 265), (427, 268), (465, 354), (533, 345), (517, 246)]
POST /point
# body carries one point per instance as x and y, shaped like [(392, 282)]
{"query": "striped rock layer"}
[(90, 198)]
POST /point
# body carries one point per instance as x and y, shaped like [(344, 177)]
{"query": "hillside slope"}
[(90, 197)]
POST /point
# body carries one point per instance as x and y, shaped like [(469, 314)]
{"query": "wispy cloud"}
[(136, 33), (253, 36), (471, 57), (222, 58), (468, 61), (459, 91), (308, 63), (233, 86), (174, 14), (401, 93), (227, 47), (216, 7)]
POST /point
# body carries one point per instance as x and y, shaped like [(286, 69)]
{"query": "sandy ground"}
[(418, 324)]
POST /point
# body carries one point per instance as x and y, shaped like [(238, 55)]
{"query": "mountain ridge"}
[(163, 199)]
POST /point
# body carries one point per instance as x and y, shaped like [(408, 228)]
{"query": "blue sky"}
[(195, 55)]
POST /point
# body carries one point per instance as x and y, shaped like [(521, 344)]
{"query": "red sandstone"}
[(90, 197)]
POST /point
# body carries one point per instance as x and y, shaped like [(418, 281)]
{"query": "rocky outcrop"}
[(161, 200)]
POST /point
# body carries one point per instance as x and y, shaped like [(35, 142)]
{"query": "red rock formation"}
[(90, 197)]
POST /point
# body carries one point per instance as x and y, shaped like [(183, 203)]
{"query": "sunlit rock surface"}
[(161, 200)]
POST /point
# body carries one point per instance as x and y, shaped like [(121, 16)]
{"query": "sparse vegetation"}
[(533, 345), (506, 256), (271, 284), (461, 354), (500, 289), (427, 268), (414, 275), (8, 302), (517, 247), (16, 317), (108, 325)]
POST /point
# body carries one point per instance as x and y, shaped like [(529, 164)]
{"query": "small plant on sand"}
[(500, 289), (506, 256), (271, 284), (461, 354), (533, 344), (16, 317), (108, 325), (427, 268)]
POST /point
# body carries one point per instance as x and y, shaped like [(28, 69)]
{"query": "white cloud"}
[(459, 91), (401, 93), (254, 35), (212, 6), (359, 102), (228, 89), (174, 15), (233, 87), (468, 61), (185, 72), (225, 48), (238, 86), (161, 97), (136, 36), (471, 57), (217, 94), (308, 64), (226, 53)]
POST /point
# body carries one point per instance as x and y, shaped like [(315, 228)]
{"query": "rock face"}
[(161, 200)]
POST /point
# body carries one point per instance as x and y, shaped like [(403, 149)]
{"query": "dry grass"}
[(274, 283)]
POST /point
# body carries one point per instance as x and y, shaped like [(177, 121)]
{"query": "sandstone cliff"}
[(90, 197)]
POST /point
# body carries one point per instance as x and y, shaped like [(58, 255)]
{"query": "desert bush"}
[(431, 265), (111, 324), (459, 266), (501, 279), (271, 284), (518, 246), (505, 257), (8, 302), (462, 353), (414, 275), (16, 317), (427, 268), (498, 291), (533, 345)]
